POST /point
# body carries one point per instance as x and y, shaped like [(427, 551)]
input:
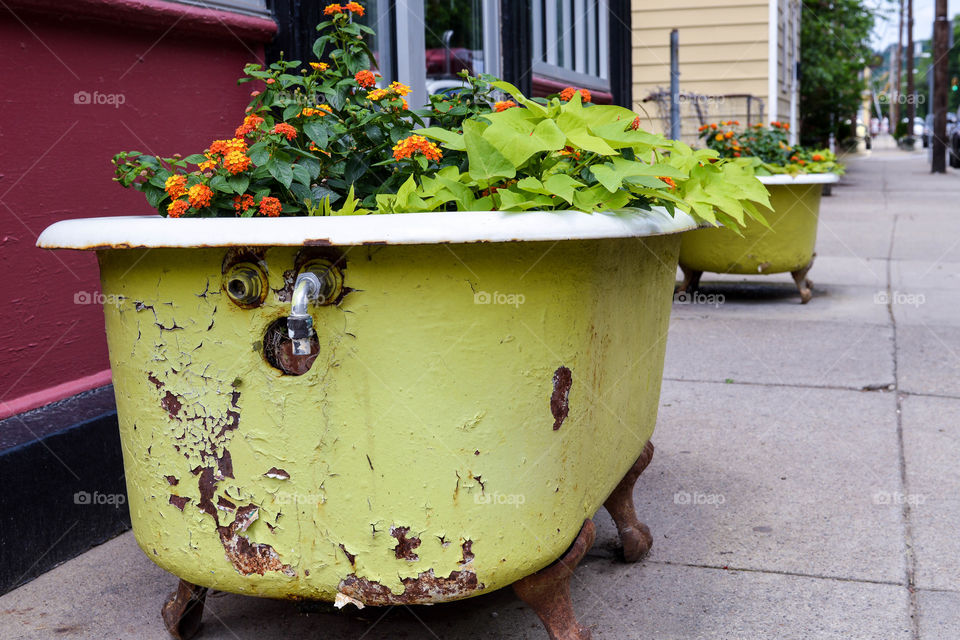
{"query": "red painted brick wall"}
[(82, 81)]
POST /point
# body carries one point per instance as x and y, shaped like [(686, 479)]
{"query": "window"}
[(571, 42)]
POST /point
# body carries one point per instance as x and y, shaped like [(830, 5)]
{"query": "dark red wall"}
[(175, 71)]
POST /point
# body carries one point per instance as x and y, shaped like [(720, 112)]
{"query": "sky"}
[(885, 31)]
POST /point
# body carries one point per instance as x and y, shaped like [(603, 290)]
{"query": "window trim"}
[(255, 8)]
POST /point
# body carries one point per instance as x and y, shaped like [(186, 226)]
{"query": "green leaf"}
[(320, 192), (407, 199), (220, 184), (259, 153), (562, 185), (154, 196), (450, 139), (519, 97), (312, 166), (239, 182), (608, 176), (281, 171), (355, 169), (195, 158), (302, 192), (520, 139), (486, 163), (301, 174), (317, 131)]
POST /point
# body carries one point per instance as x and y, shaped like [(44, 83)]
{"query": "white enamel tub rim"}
[(457, 227), (803, 178)]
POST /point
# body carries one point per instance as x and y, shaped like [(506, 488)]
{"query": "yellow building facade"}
[(729, 49)]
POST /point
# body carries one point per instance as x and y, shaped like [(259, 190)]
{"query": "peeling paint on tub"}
[(425, 588), (405, 545), (250, 557)]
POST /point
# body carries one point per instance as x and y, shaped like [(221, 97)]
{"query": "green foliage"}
[(555, 155), (768, 148), (323, 140), (834, 49)]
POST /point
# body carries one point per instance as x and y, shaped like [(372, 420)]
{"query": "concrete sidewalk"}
[(806, 482)]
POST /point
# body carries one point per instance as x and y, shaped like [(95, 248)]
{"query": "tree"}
[(834, 49)]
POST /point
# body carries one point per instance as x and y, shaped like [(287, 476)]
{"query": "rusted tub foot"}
[(547, 591), (803, 283), (691, 280), (634, 535), (183, 612)]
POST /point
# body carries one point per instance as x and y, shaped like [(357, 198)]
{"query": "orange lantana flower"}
[(176, 186), (242, 203), (319, 110), (270, 206), (284, 129), (567, 94), (669, 181), (236, 161), (399, 88), (407, 147), (199, 196), (504, 105), (320, 66), (177, 208), (223, 147), (354, 7), (365, 78), (250, 124), (331, 9)]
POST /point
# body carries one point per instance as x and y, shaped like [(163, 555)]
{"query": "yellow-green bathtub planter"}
[(483, 382), (787, 246)]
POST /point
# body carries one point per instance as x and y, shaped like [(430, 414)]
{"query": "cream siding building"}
[(727, 47)]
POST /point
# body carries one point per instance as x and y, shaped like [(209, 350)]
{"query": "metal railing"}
[(698, 109)]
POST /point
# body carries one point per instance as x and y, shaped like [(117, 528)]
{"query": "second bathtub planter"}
[(418, 405), (795, 178)]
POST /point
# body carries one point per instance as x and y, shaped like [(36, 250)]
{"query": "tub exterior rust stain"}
[(380, 471), (560, 399)]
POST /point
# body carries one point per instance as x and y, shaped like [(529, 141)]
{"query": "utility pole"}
[(897, 64), (911, 90), (941, 35)]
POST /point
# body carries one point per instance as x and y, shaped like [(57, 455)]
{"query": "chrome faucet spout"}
[(299, 323)]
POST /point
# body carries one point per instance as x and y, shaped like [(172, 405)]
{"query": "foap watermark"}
[(515, 499), (95, 297), (696, 297), (111, 99), (97, 498), (899, 298), (898, 498), (511, 299), (286, 498), (902, 98), (696, 498)]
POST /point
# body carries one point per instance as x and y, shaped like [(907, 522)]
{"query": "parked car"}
[(928, 127), (953, 139)]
